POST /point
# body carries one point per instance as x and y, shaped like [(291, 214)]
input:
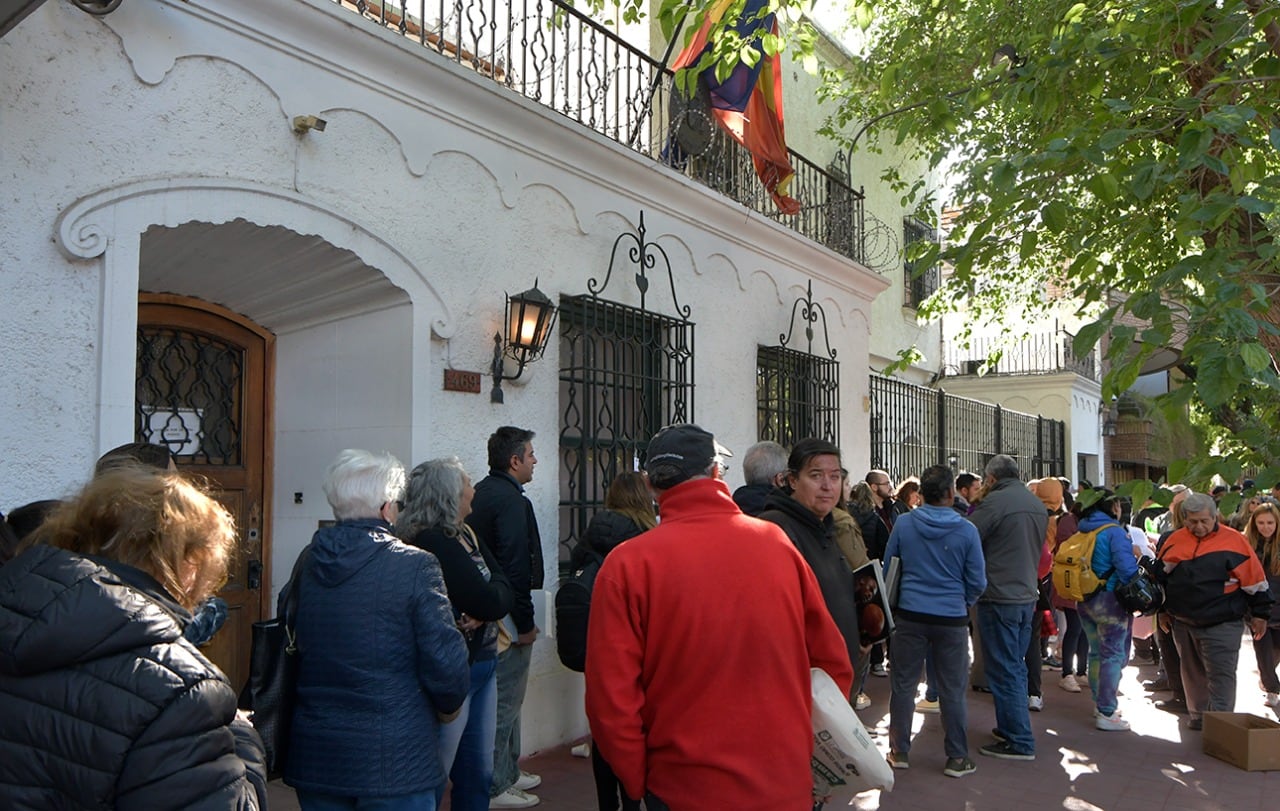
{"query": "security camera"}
[(306, 123)]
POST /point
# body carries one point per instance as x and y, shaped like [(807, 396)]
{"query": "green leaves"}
[(1255, 357), (1055, 216)]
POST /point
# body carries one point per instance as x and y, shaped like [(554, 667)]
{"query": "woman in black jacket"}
[(437, 500), (106, 705), (628, 511)]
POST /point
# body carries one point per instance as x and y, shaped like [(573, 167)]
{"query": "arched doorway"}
[(204, 390)]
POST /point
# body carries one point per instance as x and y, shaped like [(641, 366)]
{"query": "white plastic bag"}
[(845, 760)]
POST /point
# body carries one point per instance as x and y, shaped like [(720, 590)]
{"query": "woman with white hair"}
[(380, 660), (437, 500)]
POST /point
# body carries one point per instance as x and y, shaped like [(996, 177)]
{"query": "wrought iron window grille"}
[(798, 392), (625, 372), (917, 284)]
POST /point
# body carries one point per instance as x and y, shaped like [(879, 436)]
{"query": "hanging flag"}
[(748, 103)]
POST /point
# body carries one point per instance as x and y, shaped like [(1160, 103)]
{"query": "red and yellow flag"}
[(748, 103)]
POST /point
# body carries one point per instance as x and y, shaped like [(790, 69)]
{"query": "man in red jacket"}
[(701, 636)]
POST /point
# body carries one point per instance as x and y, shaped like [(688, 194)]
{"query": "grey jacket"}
[(1012, 523)]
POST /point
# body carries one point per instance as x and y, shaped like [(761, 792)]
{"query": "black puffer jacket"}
[(606, 530), (103, 704)]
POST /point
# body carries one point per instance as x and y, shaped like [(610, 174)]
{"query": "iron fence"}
[(553, 54), (1036, 353), (913, 427)]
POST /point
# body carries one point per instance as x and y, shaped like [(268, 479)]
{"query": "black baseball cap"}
[(687, 447)]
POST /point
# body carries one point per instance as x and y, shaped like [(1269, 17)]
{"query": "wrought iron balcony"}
[(1034, 354), (551, 53)]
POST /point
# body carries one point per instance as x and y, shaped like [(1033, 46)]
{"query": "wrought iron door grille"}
[(624, 374), (797, 396), (189, 395)]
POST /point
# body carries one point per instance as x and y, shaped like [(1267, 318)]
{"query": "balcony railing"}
[(1036, 354), (551, 53)]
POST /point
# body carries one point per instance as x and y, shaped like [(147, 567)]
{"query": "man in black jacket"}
[(503, 518)]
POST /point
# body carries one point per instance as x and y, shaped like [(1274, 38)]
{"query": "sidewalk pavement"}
[(1157, 765)]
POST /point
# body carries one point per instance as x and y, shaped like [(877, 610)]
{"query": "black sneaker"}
[(998, 735), (898, 760), (959, 767), (1005, 751), (879, 670)]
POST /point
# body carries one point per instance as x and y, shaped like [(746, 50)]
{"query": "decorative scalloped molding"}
[(315, 57), (86, 229)]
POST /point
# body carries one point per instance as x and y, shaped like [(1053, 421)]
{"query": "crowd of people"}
[(415, 625)]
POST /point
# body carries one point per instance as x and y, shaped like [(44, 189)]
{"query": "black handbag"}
[(273, 674), (1143, 594)]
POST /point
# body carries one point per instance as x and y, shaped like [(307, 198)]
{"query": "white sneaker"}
[(1273, 699), (514, 798), (1110, 723), (1035, 703), (1069, 684), (862, 701), (581, 750), (527, 781)]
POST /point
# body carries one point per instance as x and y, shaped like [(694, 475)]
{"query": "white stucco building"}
[(184, 257)]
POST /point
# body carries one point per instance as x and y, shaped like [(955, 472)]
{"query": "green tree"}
[(1133, 159), (1130, 156)]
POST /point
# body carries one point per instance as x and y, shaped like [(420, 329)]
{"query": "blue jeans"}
[(947, 646), (313, 801), (513, 679), (466, 742), (1108, 627), (1005, 629)]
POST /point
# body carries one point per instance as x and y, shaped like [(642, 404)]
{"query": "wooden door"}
[(203, 390)]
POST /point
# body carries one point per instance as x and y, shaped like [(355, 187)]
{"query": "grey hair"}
[(663, 476), (431, 496), (763, 461), (1003, 466), (358, 483), (1198, 503)]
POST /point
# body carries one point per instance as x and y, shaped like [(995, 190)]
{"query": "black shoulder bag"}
[(273, 674)]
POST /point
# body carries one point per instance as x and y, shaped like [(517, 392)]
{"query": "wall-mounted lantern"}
[(529, 318)]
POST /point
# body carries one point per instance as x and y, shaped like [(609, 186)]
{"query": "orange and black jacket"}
[(1213, 579)]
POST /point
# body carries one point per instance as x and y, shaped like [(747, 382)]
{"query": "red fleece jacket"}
[(701, 637)]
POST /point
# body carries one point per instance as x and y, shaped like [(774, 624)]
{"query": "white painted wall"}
[(453, 188)]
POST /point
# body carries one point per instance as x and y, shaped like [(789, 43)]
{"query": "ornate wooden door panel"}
[(203, 389)]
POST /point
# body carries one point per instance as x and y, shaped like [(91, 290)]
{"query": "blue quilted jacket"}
[(379, 656)]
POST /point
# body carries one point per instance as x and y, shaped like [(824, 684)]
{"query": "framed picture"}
[(875, 620)]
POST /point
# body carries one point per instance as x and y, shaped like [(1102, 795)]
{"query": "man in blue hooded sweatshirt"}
[(943, 574)]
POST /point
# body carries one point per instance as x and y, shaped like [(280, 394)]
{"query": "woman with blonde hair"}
[(1263, 532), (99, 597)]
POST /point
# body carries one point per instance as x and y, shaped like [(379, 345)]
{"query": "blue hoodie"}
[(943, 571), (1113, 551)]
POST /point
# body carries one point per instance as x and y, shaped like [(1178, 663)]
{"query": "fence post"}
[(1040, 463), (942, 427), (999, 430)]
